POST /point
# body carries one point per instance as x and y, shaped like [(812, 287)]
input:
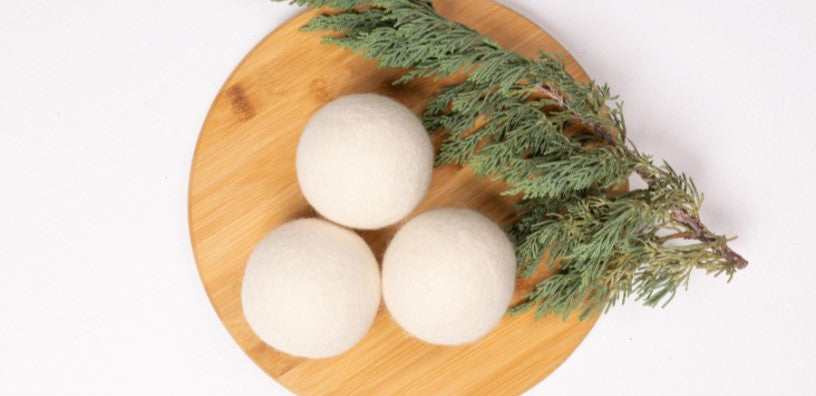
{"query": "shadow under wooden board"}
[(243, 184)]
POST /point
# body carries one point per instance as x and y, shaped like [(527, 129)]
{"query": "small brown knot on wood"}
[(239, 103)]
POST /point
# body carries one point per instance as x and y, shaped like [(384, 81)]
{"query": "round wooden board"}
[(243, 184)]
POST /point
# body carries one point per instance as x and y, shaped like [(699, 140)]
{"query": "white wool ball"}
[(448, 276), (364, 161), (311, 288)]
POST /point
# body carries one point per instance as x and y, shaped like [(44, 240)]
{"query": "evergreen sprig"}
[(561, 146)]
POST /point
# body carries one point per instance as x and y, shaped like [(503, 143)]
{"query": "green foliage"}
[(507, 121)]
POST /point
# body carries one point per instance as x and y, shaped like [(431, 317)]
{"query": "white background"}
[(100, 107)]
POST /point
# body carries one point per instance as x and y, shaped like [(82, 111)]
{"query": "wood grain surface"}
[(243, 184)]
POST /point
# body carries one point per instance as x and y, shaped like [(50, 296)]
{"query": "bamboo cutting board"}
[(243, 184)]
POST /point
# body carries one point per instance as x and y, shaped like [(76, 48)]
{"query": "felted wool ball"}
[(448, 276), (364, 161), (311, 288)]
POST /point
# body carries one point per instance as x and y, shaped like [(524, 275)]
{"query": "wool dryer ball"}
[(364, 161), (311, 288), (448, 276)]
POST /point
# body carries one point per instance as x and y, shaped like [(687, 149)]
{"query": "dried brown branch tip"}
[(643, 243)]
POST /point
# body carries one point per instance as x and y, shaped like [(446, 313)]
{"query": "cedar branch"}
[(699, 231)]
